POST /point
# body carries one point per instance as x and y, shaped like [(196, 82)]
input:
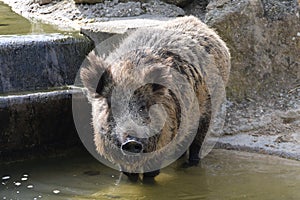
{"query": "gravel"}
[(66, 14)]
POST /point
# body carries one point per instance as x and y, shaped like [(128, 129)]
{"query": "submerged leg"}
[(134, 177), (152, 174)]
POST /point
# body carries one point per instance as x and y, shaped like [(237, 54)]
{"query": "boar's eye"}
[(142, 114), (142, 109), (156, 87)]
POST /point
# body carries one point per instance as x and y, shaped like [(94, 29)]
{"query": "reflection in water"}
[(12, 24), (222, 175)]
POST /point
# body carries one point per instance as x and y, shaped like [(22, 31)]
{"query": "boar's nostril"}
[(132, 146)]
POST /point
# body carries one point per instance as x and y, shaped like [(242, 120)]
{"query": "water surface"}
[(14, 24), (222, 175)]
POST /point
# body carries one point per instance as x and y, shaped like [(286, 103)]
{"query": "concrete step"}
[(41, 120), (35, 99), (36, 62)]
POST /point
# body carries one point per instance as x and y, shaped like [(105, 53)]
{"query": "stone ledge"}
[(100, 31), (35, 62), (41, 121), (261, 144)]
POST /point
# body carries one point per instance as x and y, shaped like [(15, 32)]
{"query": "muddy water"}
[(14, 24), (222, 175)]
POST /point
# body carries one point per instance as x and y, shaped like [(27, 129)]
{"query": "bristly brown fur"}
[(185, 45)]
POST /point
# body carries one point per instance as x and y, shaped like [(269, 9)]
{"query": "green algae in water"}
[(14, 24), (45, 90), (222, 175)]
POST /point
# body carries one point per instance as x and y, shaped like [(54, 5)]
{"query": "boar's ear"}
[(96, 77)]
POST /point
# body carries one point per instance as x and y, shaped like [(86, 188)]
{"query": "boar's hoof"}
[(191, 163)]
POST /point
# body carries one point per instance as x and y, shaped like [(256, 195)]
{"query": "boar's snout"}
[(131, 147)]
